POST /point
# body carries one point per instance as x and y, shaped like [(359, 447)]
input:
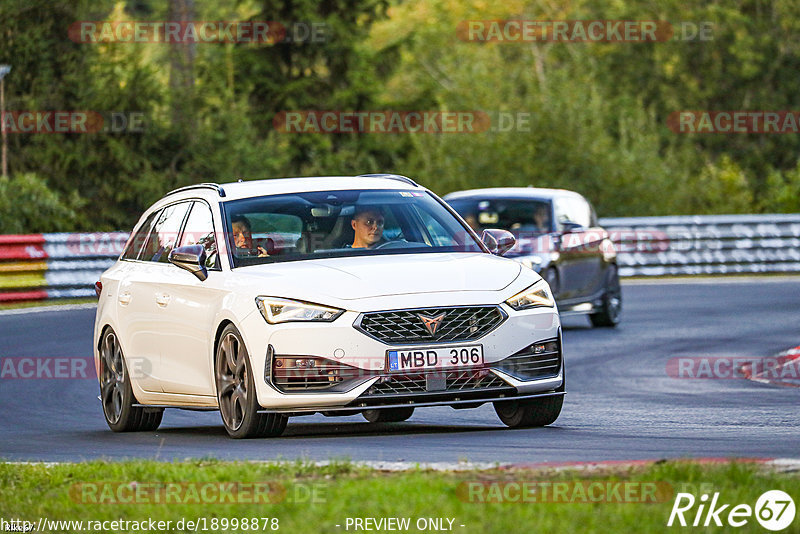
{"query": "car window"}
[(514, 214), (164, 233), (273, 231), (341, 223), (138, 238), (199, 230), (574, 209), (438, 234)]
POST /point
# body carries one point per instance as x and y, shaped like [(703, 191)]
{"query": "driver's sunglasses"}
[(373, 222)]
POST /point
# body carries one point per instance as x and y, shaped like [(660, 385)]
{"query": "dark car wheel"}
[(236, 392), (527, 413), (116, 394), (609, 312), (389, 415)]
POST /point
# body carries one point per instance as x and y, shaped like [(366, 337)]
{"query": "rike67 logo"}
[(774, 510)]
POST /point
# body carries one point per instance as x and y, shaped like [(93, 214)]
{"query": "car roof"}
[(510, 193), (276, 186)]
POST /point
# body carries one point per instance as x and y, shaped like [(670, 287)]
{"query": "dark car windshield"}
[(520, 216), (308, 225)]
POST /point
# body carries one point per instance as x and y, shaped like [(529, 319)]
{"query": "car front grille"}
[(402, 327), (449, 381), (539, 360)]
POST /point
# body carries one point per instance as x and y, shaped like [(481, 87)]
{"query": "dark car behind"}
[(559, 237)]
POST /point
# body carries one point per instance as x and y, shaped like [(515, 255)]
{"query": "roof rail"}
[(207, 185), (388, 176)]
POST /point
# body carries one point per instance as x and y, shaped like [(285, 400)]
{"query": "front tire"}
[(389, 415), (610, 310), (236, 392), (116, 393), (529, 413)]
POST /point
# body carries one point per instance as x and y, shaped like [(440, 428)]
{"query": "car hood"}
[(376, 276)]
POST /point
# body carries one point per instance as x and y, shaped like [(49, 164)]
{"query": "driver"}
[(368, 227), (540, 223), (541, 217), (243, 238)]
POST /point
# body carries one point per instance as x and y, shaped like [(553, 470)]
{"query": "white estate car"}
[(341, 295)]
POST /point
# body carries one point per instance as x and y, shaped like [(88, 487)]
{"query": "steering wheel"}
[(397, 243), (400, 243)]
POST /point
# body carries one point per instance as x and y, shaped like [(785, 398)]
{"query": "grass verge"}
[(304, 497)]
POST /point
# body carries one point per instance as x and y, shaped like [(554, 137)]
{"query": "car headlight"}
[(535, 296), (276, 310)]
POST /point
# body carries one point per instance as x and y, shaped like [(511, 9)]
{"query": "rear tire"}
[(389, 415), (236, 392), (610, 310), (116, 393), (529, 413)]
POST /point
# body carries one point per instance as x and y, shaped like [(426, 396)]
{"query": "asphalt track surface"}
[(621, 404)]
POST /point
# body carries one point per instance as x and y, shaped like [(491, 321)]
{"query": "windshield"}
[(302, 226), (520, 216)]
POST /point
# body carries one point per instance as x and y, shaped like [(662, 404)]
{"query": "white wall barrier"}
[(706, 244)]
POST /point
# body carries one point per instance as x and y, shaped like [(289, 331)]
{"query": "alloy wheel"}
[(112, 387), (232, 381)]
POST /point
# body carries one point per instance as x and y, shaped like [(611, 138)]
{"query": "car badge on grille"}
[(432, 324)]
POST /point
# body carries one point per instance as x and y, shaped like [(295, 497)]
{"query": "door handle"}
[(124, 298), (162, 300)]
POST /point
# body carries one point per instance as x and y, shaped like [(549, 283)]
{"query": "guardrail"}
[(50, 266), (706, 244)]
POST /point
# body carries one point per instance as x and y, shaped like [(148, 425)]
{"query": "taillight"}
[(98, 288)]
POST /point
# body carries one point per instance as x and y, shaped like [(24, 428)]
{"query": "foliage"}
[(26, 202), (596, 112)]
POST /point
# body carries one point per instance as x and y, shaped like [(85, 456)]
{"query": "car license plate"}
[(435, 357)]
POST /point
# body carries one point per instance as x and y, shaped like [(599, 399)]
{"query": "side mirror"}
[(569, 226), (191, 258), (498, 241)]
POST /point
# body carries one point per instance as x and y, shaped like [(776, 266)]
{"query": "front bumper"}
[(341, 342)]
